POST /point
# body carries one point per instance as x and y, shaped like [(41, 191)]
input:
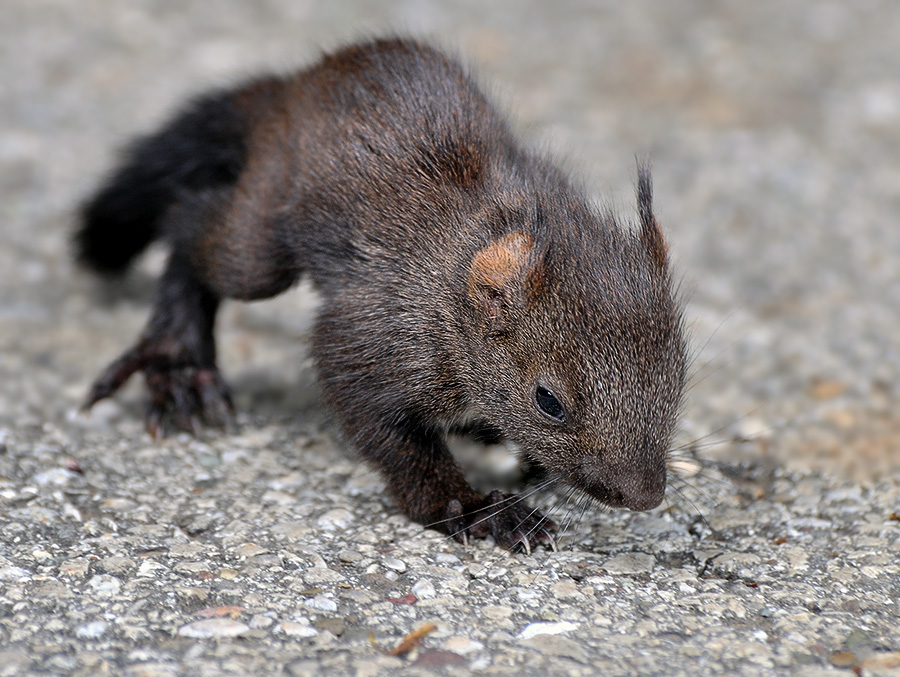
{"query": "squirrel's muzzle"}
[(618, 487)]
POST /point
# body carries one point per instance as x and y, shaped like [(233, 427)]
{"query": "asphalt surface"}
[(774, 131)]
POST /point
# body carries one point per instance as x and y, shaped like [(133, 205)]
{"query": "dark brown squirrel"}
[(465, 282)]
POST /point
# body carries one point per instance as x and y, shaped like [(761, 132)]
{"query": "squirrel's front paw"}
[(505, 517)]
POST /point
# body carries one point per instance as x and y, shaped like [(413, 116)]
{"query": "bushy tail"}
[(200, 148)]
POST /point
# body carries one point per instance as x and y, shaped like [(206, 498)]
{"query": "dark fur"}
[(457, 271)]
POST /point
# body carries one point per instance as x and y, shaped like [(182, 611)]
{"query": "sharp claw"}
[(214, 410), (114, 376), (215, 400), (94, 395), (523, 539), (153, 424), (184, 420), (97, 393), (552, 542), (456, 526)]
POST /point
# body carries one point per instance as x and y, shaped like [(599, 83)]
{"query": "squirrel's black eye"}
[(548, 404)]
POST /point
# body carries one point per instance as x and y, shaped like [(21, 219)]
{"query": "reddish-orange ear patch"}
[(501, 262), (503, 277)]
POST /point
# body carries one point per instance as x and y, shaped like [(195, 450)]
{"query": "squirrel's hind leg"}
[(177, 354)]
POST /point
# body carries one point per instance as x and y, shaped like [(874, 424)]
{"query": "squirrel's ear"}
[(651, 235), (503, 279)]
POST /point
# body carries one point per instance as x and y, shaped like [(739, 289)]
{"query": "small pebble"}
[(335, 519), (91, 630), (350, 556), (396, 564), (535, 629), (630, 563), (213, 627), (14, 573), (424, 589), (259, 622), (297, 629), (55, 476), (249, 550), (322, 603), (104, 585), (462, 645)]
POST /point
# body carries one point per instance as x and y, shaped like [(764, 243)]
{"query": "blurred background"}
[(774, 130)]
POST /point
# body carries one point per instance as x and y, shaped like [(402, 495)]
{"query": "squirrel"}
[(464, 281)]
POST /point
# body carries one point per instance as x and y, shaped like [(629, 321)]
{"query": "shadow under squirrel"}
[(464, 280)]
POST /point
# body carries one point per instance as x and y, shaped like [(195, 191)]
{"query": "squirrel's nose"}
[(619, 487), (646, 498)]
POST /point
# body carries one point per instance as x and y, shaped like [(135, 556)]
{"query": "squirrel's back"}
[(367, 141)]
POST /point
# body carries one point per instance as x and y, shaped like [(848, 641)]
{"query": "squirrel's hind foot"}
[(186, 397), (181, 395)]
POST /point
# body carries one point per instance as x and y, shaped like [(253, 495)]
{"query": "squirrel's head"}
[(578, 347)]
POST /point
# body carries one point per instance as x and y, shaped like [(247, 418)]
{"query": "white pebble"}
[(297, 629), (149, 568), (395, 564), (104, 585), (339, 518), (424, 589), (14, 573), (462, 645), (213, 627), (55, 476), (322, 603), (535, 629), (91, 630), (259, 621)]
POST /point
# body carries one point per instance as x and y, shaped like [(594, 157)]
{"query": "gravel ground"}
[(774, 130)]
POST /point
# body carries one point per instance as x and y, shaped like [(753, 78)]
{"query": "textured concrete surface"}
[(774, 130)]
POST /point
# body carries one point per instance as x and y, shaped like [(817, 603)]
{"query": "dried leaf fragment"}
[(409, 642)]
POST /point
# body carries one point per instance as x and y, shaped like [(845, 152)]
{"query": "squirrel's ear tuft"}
[(651, 235), (503, 279)]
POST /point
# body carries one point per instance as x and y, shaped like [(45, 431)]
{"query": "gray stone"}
[(91, 630), (424, 589), (213, 627), (297, 629), (630, 563), (339, 518), (535, 629), (558, 646), (104, 585)]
